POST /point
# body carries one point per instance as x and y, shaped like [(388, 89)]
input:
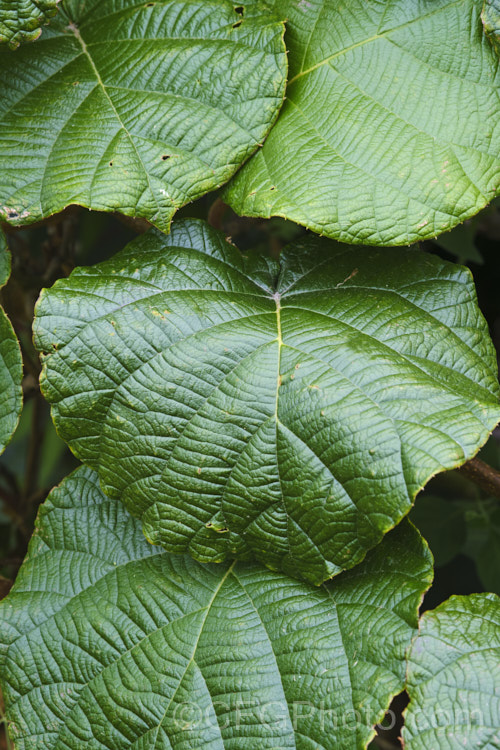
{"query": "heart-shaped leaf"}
[(391, 127), (110, 643), (286, 410), (21, 20), (11, 365), (136, 106), (454, 677)]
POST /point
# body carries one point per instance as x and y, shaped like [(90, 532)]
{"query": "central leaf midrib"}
[(280, 347), (147, 636), (72, 26), (244, 589), (191, 660)]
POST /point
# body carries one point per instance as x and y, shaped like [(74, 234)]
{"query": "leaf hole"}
[(240, 10), (110, 163), (149, 5), (273, 187), (165, 157)]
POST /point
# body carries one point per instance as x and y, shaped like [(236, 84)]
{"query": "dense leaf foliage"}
[(110, 642), (454, 677), (390, 130), (136, 107), (11, 366), (290, 410), (253, 422), (21, 20)]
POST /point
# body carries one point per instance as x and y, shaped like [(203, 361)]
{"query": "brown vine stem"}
[(485, 476)]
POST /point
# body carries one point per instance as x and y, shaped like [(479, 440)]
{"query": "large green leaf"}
[(287, 410), (390, 131), (11, 365), (134, 106), (108, 642), (491, 21), (21, 20), (454, 677)]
